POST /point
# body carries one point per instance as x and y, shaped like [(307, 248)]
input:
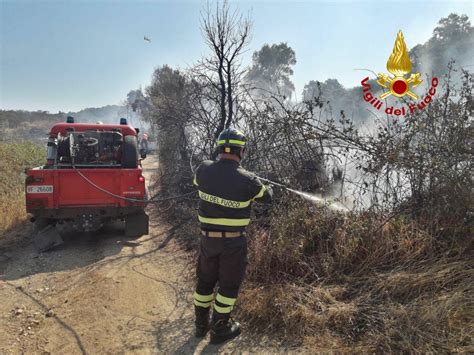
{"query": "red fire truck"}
[(92, 175)]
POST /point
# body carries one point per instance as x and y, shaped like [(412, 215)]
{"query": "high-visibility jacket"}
[(226, 192)]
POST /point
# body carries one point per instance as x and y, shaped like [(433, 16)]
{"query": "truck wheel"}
[(129, 153), (136, 225), (63, 148), (40, 224)]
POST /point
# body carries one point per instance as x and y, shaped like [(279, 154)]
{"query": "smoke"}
[(111, 114), (453, 39)]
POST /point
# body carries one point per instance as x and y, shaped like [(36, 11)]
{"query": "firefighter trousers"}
[(221, 261)]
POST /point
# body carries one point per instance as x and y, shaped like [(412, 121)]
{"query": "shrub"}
[(14, 158), (337, 282)]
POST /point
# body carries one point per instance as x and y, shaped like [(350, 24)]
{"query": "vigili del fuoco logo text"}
[(397, 85)]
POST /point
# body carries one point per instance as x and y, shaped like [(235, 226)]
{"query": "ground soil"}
[(104, 293)]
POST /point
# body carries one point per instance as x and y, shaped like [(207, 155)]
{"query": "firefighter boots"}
[(223, 328), (201, 321)]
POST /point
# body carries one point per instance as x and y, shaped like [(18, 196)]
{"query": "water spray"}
[(333, 205)]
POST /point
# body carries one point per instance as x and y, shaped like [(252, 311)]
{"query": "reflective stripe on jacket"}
[(226, 192)]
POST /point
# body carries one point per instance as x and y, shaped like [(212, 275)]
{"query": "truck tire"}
[(40, 224), (130, 153), (64, 148), (136, 225)]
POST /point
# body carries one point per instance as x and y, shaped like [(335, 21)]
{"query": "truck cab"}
[(92, 175)]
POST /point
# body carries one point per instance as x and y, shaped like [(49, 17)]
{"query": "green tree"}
[(136, 100), (169, 113), (272, 68), (330, 89), (452, 27), (453, 39)]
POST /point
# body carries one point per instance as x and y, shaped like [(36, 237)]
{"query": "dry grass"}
[(14, 158), (346, 284)]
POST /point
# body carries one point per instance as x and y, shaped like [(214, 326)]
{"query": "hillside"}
[(34, 125)]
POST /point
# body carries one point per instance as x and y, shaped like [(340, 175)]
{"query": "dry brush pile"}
[(359, 282)]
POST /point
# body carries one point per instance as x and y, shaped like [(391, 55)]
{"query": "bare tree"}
[(227, 33)]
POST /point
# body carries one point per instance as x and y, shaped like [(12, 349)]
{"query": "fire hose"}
[(315, 199), (153, 199), (331, 204)]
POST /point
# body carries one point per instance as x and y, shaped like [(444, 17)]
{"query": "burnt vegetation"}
[(393, 275)]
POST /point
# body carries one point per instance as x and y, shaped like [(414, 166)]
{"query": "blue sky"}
[(69, 55)]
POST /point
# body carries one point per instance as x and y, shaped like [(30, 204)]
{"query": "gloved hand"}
[(270, 189)]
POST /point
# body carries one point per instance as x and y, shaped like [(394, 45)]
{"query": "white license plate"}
[(40, 189)]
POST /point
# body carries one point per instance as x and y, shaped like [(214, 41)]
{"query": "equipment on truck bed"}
[(95, 147)]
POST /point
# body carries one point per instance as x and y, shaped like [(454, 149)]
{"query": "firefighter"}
[(226, 192), (144, 144)]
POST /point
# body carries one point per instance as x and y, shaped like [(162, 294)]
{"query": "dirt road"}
[(102, 294)]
